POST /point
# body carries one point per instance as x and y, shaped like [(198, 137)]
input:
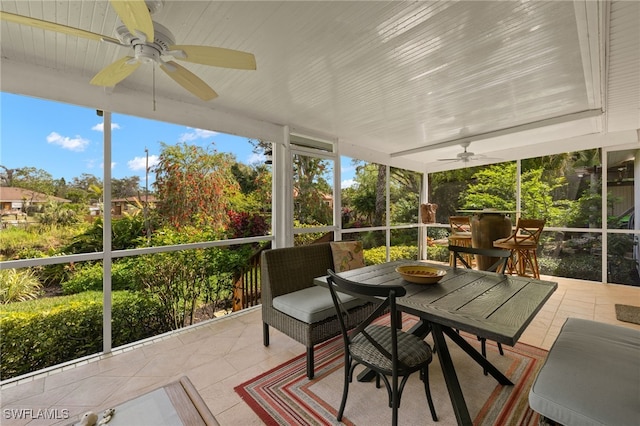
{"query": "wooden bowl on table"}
[(419, 274)]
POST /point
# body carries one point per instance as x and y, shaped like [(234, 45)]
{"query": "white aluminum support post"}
[(106, 236), (636, 205), (337, 194), (423, 229), (282, 193), (603, 214), (388, 211)]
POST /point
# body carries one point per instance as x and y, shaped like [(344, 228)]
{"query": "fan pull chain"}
[(153, 89)]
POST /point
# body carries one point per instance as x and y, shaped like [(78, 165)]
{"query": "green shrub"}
[(378, 255), (580, 266), (438, 253), (45, 332), (185, 279), (18, 286), (89, 278), (126, 232), (19, 243)]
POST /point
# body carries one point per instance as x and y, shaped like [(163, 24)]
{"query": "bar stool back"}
[(460, 236), (523, 244)]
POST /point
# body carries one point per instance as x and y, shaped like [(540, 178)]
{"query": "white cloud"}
[(100, 127), (194, 134), (348, 183), (255, 158), (72, 144), (138, 163)]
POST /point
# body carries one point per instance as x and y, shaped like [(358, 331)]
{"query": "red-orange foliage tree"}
[(194, 186)]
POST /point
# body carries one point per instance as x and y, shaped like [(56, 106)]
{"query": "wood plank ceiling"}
[(396, 82)]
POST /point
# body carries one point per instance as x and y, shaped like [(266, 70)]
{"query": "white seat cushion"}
[(312, 304), (591, 376)]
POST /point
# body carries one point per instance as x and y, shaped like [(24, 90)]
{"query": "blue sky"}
[(66, 140)]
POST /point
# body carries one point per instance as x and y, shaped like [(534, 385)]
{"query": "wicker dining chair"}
[(523, 244), (388, 351)]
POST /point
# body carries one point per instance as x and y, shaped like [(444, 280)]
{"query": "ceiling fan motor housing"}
[(144, 51)]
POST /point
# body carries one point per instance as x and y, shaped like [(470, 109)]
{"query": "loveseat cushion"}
[(591, 376), (312, 304)]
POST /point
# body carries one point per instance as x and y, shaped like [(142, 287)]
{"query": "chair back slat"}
[(528, 231), (388, 292), (499, 266), (459, 224)]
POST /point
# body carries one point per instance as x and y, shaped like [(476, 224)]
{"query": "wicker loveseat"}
[(292, 304)]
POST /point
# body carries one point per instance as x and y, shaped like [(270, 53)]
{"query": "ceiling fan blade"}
[(135, 15), (52, 26), (216, 56), (189, 81), (448, 159), (116, 72)]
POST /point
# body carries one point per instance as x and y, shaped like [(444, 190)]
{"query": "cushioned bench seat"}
[(312, 304), (591, 376)]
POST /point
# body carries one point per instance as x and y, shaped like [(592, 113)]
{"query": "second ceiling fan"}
[(151, 43), (466, 156)]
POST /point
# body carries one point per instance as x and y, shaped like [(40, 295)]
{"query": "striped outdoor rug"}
[(284, 395)]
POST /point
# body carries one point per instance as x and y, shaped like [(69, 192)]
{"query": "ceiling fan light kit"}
[(152, 44)]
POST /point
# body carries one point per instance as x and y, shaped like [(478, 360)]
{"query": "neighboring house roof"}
[(13, 194), (141, 199)]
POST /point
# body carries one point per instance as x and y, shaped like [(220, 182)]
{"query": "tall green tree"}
[(311, 189), (126, 187), (6, 176), (34, 179), (255, 189), (405, 195), (495, 187), (80, 189), (492, 187), (85, 181), (362, 197), (445, 189)]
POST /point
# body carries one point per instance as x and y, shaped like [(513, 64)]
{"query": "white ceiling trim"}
[(589, 21)]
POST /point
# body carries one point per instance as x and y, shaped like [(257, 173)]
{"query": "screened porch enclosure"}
[(365, 109)]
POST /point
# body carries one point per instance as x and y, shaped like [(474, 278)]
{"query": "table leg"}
[(451, 379), (486, 365)]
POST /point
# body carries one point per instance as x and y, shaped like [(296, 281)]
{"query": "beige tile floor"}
[(225, 352)]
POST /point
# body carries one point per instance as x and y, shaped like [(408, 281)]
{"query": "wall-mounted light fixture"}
[(268, 157)]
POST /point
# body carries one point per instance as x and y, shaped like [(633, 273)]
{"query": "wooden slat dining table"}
[(494, 306)]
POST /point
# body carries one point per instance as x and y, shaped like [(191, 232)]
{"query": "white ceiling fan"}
[(466, 156), (151, 43)]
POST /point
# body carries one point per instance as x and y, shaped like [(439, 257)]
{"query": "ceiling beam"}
[(63, 86), (502, 132)]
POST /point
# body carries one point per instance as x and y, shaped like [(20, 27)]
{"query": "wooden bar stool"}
[(460, 236), (523, 244)]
